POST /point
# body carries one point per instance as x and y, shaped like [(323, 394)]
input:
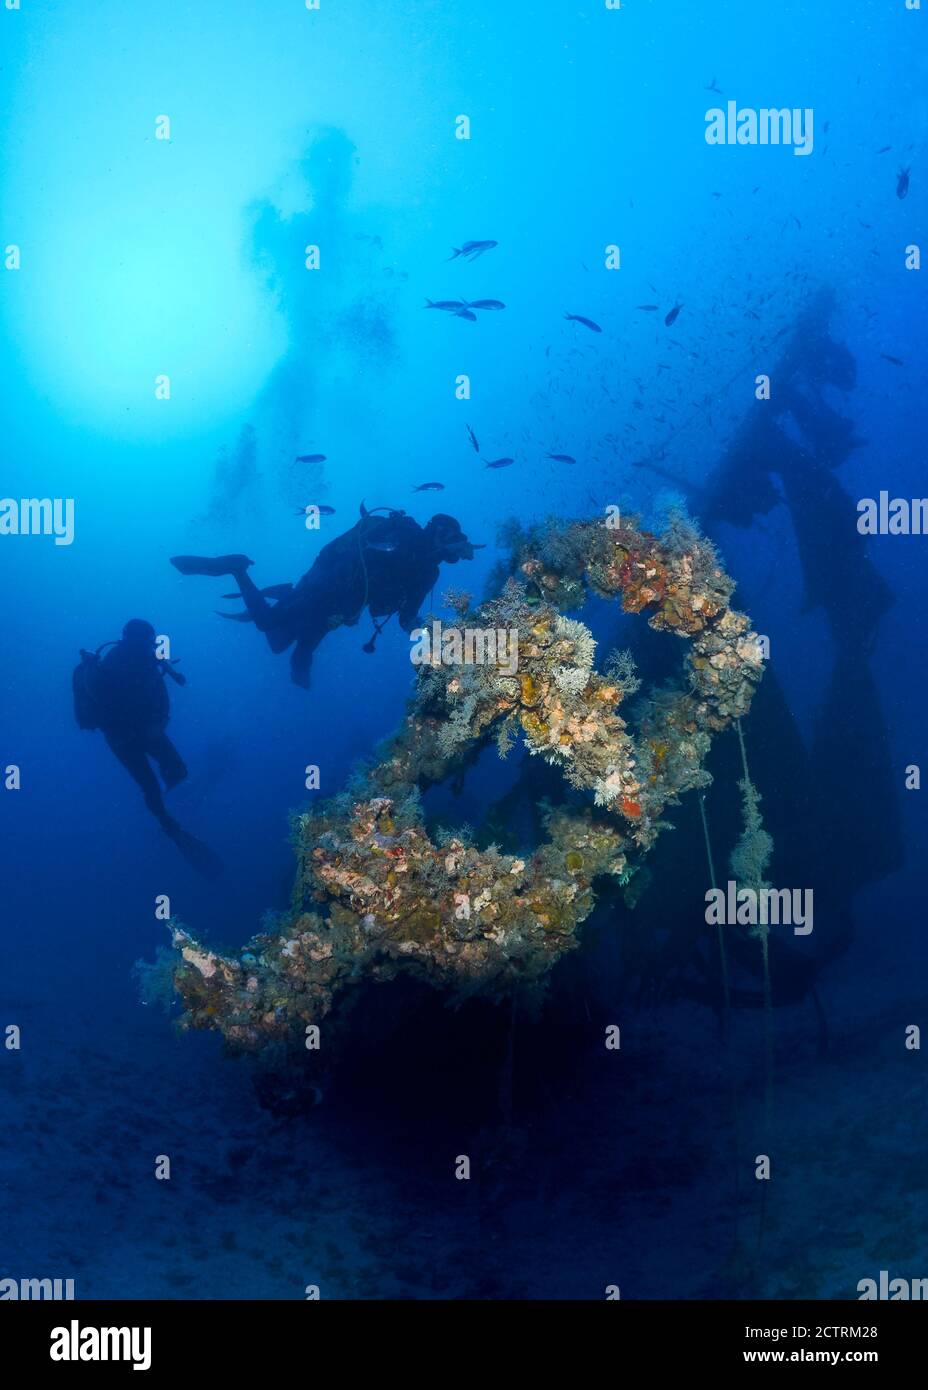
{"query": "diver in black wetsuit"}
[(830, 800), (386, 563), (124, 696)]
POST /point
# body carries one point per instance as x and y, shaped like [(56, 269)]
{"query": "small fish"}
[(448, 304), (473, 439), (902, 183), (587, 323), (429, 487), (310, 458), (648, 308), (500, 463), (382, 547), (472, 249), (896, 361), (885, 150), (561, 458), (672, 316), (465, 314), (321, 507), (486, 304)]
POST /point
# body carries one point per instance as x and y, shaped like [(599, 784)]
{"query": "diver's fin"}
[(197, 854), (215, 566), (272, 591)]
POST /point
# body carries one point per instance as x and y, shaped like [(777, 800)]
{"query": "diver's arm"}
[(408, 612), (408, 619), (167, 669)]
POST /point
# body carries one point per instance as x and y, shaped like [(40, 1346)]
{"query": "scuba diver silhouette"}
[(124, 696), (386, 563), (829, 797)]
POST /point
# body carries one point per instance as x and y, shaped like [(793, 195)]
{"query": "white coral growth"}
[(572, 675), (606, 789)]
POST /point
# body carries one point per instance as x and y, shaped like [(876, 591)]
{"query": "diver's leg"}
[(259, 610), (131, 753), (301, 660), (279, 639), (171, 765), (269, 618), (301, 616), (314, 626)]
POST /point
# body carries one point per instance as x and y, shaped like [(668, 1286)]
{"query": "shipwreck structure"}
[(377, 896)]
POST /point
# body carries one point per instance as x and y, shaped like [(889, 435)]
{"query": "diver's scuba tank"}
[(87, 709)]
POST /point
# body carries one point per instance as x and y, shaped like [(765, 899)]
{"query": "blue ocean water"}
[(164, 173)]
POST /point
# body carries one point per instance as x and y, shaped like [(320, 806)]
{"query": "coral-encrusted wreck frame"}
[(375, 895)]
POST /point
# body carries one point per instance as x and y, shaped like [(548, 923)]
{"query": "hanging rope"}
[(763, 933), (723, 959)]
